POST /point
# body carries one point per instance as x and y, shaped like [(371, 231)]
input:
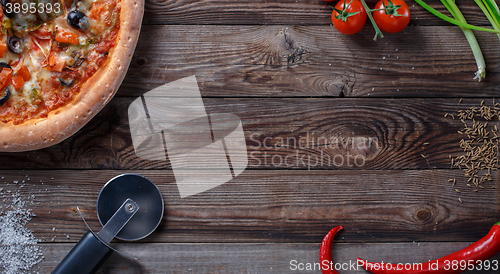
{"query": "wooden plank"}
[(299, 61), (274, 206), (302, 12), (255, 258), (313, 133)]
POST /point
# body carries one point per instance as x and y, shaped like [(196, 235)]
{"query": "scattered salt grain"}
[(19, 251)]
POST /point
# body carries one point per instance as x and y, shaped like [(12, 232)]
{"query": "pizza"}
[(61, 61)]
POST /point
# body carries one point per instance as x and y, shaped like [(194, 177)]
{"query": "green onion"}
[(474, 45), (451, 20), (491, 11)]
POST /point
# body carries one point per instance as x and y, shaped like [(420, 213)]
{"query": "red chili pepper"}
[(325, 252), (454, 263)]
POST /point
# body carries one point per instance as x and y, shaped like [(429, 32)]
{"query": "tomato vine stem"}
[(378, 32)]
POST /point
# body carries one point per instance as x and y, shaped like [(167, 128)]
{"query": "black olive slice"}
[(66, 81), (15, 44), (10, 14), (77, 19), (4, 65), (5, 96)]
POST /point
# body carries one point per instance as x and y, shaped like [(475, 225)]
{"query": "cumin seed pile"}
[(480, 144)]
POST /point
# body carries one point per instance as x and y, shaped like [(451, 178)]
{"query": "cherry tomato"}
[(394, 18), (349, 16)]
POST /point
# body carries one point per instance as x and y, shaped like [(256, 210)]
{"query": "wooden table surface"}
[(286, 73)]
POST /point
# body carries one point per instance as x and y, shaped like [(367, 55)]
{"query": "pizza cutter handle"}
[(85, 258)]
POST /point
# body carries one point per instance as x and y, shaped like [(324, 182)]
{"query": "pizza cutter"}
[(130, 207)]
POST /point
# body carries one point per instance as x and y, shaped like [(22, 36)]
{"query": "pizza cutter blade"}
[(130, 207)]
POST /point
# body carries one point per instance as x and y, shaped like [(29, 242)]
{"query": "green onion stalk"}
[(491, 11)]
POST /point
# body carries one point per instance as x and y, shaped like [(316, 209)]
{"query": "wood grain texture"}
[(281, 68), (252, 258), (274, 206), (297, 12), (298, 133), (312, 61)]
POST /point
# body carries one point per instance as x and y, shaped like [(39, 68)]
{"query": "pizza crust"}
[(94, 94)]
